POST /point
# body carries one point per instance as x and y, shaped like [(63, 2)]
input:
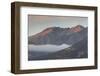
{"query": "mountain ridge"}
[(57, 35)]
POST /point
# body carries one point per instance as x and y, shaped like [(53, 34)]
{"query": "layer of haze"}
[(37, 23)]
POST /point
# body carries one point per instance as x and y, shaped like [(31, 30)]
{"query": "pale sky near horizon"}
[(37, 23)]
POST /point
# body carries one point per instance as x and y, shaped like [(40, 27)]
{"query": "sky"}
[(37, 23)]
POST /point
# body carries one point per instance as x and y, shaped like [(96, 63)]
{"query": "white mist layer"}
[(47, 48)]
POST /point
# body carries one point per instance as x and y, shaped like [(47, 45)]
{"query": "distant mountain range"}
[(58, 36)]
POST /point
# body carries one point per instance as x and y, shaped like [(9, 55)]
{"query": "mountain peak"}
[(80, 26), (77, 28), (46, 31), (49, 30)]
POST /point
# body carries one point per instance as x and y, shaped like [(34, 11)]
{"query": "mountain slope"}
[(78, 50)]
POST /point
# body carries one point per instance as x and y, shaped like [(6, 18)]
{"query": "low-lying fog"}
[(47, 48)]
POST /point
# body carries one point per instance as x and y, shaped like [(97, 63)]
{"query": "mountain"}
[(58, 36), (78, 28), (77, 50)]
